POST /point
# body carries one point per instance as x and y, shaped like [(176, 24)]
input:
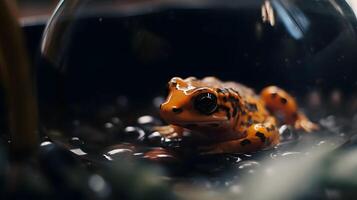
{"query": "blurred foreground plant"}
[(16, 78)]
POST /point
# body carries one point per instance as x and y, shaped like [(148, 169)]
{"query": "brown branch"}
[(18, 84)]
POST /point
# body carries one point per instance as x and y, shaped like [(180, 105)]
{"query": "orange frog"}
[(228, 117)]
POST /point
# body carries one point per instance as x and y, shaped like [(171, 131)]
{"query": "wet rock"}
[(78, 151), (161, 155), (76, 142), (45, 142), (111, 128), (56, 159), (65, 172), (148, 121), (155, 138), (117, 122), (42, 132), (133, 134), (173, 143), (44, 138), (287, 133), (118, 152)]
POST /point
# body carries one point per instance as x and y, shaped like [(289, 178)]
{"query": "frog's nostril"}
[(177, 110)]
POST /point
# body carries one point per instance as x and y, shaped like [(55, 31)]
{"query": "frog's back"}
[(251, 101), (243, 90)]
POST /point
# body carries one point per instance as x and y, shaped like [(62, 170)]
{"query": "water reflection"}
[(289, 14), (353, 5), (268, 14)]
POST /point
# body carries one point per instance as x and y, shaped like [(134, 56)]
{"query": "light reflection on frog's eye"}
[(206, 103)]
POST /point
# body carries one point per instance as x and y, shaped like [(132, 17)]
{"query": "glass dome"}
[(100, 52), (105, 66)]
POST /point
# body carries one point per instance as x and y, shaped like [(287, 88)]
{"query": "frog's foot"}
[(303, 123), (169, 131), (259, 137)]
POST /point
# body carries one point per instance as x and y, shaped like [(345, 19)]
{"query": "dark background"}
[(105, 55)]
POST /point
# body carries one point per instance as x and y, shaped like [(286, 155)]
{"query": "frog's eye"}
[(205, 103)]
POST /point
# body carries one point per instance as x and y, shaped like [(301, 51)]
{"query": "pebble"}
[(133, 134), (148, 121), (161, 155), (56, 159), (118, 152), (78, 152), (45, 143), (155, 138), (111, 128), (116, 121), (61, 167), (75, 141), (287, 134), (171, 142)]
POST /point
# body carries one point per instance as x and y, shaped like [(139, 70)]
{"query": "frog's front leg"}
[(170, 131), (279, 101), (258, 136)]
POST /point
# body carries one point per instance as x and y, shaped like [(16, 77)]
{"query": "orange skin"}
[(239, 120)]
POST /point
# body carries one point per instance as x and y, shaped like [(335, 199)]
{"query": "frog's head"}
[(193, 106)]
